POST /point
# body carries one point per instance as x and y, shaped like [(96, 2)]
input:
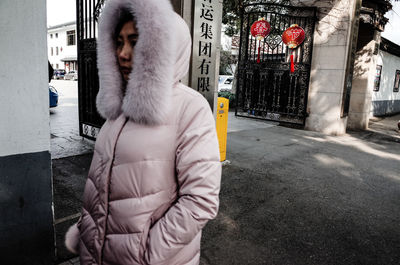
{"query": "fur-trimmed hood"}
[(160, 60)]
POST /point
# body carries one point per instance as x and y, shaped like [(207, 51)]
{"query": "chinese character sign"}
[(206, 38)]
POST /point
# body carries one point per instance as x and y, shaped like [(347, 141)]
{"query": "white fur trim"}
[(72, 239), (148, 92)]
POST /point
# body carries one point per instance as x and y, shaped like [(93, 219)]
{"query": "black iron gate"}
[(268, 90), (88, 81)]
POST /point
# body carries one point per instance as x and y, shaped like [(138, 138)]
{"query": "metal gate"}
[(268, 90), (88, 81)]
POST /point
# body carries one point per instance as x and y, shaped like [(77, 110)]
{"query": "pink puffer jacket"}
[(155, 176)]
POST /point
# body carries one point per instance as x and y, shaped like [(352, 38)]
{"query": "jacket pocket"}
[(143, 242)]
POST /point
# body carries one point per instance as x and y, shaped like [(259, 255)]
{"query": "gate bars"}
[(268, 90), (88, 82)]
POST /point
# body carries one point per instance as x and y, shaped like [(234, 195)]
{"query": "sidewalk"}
[(386, 126), (293, 196), (65, 139)]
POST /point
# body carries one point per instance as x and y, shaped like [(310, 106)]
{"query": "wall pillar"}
[(205, 82), (333, 38), (26, 215), (372, 22), (185, 9), (363, 77)]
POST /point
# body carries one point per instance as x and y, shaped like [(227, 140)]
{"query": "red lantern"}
[(293, 37), (260, 29)]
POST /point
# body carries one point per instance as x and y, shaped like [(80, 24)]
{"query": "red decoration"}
[(291, 63), (260, 29), (293, 37)]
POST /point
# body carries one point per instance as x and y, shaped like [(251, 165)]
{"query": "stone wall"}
[(363, 78), (333, 38)]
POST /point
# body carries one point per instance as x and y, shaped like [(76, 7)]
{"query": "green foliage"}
[(231, 13), (228, 95), (231, 16)]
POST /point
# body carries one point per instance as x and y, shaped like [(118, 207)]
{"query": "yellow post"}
[(222, 125)]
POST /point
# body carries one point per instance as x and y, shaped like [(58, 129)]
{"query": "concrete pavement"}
[(298, 197), (288, 197), (385, 126), (64, 122)]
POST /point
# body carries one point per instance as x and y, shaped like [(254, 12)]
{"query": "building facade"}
[(371, 22), (62, 49), (386, 95)]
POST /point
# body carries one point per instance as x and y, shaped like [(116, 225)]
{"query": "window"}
[(56, 65), (56, 50), (70, 37), (56, 35), (396, 81), (377, 81), (51, 51), (51, 36)]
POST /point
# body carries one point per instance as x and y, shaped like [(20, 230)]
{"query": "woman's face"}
[(126, 41)]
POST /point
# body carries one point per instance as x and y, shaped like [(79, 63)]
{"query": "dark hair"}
[(124, 16)]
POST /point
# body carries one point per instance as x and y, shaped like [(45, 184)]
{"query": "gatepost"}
[(206, 49)]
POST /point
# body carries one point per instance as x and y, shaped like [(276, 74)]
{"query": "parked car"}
[(59, 74), (72, 75), (225, 83), (53, 94)]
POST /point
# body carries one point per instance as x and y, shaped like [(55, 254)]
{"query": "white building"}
[(386, 95), (62, 46)]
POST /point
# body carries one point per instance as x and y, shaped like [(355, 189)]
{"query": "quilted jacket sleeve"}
[(72, 239), (199, 174)]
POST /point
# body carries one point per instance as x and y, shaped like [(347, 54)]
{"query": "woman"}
[(154, 180)]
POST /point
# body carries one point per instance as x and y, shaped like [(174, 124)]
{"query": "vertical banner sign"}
[(206, 48)]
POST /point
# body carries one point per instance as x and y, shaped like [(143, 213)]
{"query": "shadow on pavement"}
[(288, 197), (69, 178), (298, 197)]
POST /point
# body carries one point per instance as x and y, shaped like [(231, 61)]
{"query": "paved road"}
[(298, 197), (64, 122), (289, 197)]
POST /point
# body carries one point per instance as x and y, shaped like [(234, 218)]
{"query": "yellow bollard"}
[(222, 125)]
